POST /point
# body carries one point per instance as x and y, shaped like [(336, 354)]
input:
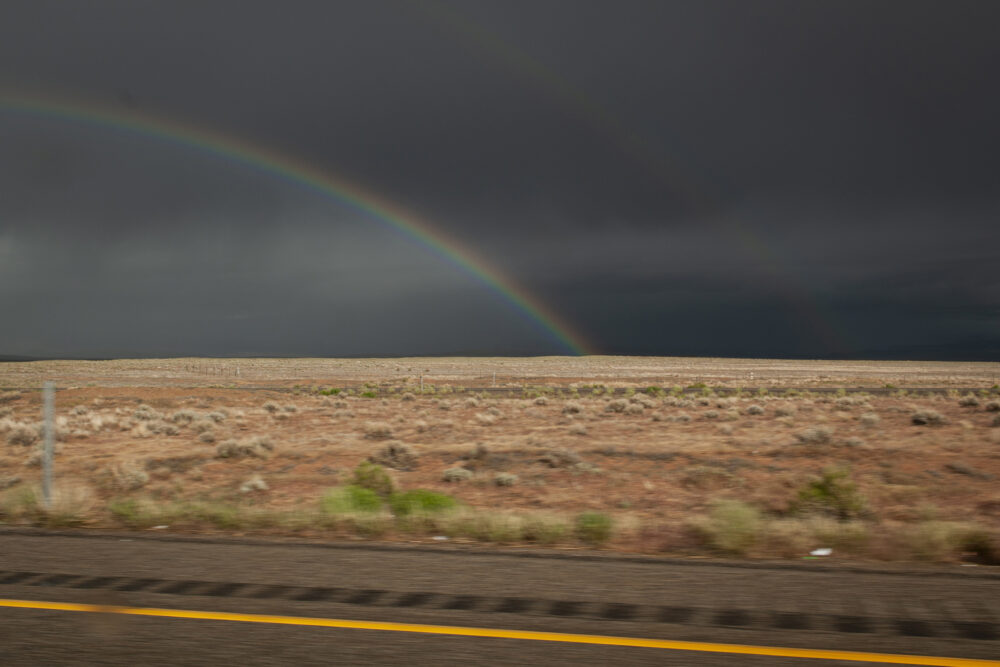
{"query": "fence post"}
[(48, 417)]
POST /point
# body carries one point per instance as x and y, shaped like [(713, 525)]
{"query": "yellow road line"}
[(495, 633)]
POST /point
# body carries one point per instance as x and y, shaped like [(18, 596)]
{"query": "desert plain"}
[(890, 461)]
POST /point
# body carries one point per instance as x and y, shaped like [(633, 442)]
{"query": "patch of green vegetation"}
[(420, 501), (348, 499), (731, 526), (594, 528), (332, 391), (833, 494), (368, 394)]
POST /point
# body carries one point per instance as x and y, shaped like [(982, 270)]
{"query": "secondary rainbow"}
[(375, 206)]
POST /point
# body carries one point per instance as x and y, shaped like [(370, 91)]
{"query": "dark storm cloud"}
[(819, 177)]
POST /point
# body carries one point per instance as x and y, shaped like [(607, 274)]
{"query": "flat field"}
[(657, 455)]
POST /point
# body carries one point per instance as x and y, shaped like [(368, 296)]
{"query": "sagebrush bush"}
[(927, 418), (816, 435), (869, 419), (396, 455), (505, 479), (456, 475), (617, 405), (372, 476), (22, 434), (378, 430), (129, 476), (257, 446), (755, 410)]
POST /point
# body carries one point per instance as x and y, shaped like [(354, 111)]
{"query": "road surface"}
[(231, 591)]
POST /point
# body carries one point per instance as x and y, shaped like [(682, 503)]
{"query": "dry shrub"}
[(129, 476), (869, 419), (784, 411), (408, 396), (207, 437), (183, 417), (571, 408), (993, 406), (617, 405), (145, 413), (635, 409), (202, 425), (396, 455), (815, 435), (754, 410), (560, 458), (505, 479), (456, 475), (927, 418), (541, 400), (258, 446), (378, 430), (578, 429), (969, 401), (271, 407), (22, 434), (484, 419), (254, 483)]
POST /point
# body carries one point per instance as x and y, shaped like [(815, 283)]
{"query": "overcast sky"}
[(744, 178)]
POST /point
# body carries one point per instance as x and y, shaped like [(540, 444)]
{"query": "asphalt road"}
[(941, 611)]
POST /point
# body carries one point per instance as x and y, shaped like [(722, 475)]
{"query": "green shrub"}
[(373, 477), (731, 526), (368, 394), (420, 500), (346, 499), (594, 528), (833, 494)]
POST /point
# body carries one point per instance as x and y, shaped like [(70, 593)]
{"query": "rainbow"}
[(374, 206)]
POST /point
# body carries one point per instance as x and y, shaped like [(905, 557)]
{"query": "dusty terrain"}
[(155, 443)]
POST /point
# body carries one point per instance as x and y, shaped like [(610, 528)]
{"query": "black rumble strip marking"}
[(788, 621), (619, 612), (565, 608), (364, 597), (17, 577), (414, 600), (675, 614), (732, 617), (137, 584), (463, 602), (729, 617), (513, 605), (96, 582), (913, 628), (852, 624)]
